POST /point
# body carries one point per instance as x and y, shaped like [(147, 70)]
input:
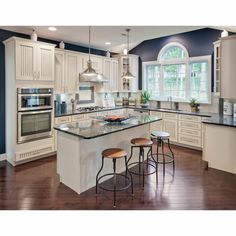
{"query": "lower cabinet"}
[(171, 126), (158, 125)]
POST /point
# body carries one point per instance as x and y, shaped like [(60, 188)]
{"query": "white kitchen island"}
[(219, 148), (80, 146)]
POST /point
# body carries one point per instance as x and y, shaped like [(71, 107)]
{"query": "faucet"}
[(170, 100)]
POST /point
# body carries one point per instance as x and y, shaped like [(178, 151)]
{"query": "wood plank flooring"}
[(35, 185)]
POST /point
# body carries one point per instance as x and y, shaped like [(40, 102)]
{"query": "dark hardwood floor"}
[(35, 185)]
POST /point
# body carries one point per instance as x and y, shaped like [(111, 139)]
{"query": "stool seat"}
[(114, 153), (160, 134), (141, 142)]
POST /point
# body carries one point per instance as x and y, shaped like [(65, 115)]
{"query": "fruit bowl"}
[(115, 118)]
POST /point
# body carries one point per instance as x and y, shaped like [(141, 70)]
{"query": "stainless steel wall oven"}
[(34, 113)]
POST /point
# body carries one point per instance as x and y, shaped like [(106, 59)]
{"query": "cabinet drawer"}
[(192, 132), (190, 118), (190, 140), (78, 117), (170, 116), (91, 115), (156, 113), (190, 125), (62, 120)]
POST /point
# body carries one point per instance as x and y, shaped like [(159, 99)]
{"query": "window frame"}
[(188, 60)]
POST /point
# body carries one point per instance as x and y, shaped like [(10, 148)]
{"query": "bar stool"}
[(142, 143), (114, 154), (162, 138)]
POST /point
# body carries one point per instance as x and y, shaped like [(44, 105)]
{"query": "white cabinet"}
[(34, 60), (97, 62), (133, 61), (228, 68), (171, 126), (59, 70), (158, 125), (190, 130), (217, 67), (110, 71), (71, 72)]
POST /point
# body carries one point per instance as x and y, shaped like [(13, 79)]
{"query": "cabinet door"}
[(114, 75), (97, 63), (228, 68), (107, 73), (45, 62), (71, 73), (134, 71), (158, 125), (171, 126), (59, 72), (26, 60)]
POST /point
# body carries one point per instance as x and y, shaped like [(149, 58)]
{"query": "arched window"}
[(179, 76), (172, 51)]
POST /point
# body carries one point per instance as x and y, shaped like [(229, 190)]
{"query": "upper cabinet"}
[(67, 69), (33, 60), (97, 62), (217, 67), (132, 61), (110, 71), (59, 71), (228, 68)]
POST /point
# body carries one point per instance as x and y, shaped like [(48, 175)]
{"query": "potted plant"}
[(145, 97), (194, 105)]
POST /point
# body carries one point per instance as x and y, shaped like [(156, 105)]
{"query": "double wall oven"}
[(34, 113)]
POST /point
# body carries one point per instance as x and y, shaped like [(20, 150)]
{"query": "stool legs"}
[(163, 156), (114, 181), (172, 155), (131, 177), (98, 175)]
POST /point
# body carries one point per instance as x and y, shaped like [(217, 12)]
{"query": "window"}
[(177, 75)]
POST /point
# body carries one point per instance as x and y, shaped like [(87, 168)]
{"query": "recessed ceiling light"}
[(108, 43), (52, 28)]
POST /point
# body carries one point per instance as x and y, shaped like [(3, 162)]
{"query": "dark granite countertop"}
[(203, 114), (229, 121), (95, 128)]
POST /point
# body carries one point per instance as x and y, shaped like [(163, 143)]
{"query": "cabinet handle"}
[(38, 74), (34, 75)]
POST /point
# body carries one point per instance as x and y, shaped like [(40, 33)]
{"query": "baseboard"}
[(3, 157)]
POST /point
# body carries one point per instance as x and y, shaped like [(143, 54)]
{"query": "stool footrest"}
[(112, 189), (141, 164), (166, 155)]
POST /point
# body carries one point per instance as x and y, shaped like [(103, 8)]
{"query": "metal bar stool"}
[(142, 143), (115, 153), (162, 137)]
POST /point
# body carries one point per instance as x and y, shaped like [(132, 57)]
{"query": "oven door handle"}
[(36, 112)]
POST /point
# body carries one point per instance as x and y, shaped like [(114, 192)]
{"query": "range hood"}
[(95, 78)]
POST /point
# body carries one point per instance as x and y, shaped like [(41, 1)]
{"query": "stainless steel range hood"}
[(93, 78)]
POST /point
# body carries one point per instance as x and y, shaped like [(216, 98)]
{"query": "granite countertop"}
[(95, 128), (229, 121), (204, 114)]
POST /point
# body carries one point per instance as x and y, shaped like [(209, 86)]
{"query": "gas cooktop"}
[(90, 108)]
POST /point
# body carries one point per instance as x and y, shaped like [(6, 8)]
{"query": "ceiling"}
[(101, 34)]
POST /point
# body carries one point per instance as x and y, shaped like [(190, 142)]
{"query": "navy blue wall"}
[(197, 42), (4, 34)]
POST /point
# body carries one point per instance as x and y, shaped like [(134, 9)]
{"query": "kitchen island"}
[(80, 146), (219, 142)]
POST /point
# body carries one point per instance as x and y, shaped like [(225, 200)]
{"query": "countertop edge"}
[(100, 135)]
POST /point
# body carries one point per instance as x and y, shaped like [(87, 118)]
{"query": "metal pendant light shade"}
[(128, 74), (89, 74)]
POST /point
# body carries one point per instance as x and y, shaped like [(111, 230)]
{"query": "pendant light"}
[(128, 75), (89, 74)]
